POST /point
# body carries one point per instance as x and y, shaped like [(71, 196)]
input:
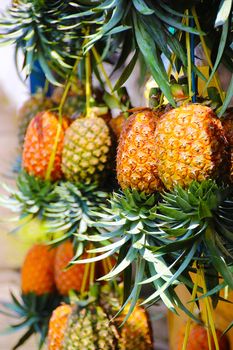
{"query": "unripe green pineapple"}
[(86, 150), (90, 329)]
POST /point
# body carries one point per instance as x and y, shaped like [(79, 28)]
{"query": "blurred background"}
[(12, 93)]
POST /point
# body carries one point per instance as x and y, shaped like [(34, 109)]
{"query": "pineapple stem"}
[(46, 87), (188, 47), (107, 80), (59, 128), (85, 277), (207, 54), (88, 84), (209, 312), (92, 274), (188, 326)]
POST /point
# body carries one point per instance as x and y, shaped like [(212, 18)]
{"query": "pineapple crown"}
[(34, 26), (34, 313), (165, 238), (31, 198), (73, 212)]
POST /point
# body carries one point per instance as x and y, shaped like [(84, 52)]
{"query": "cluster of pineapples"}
[(44, 307), (158, 149), (186, 144)]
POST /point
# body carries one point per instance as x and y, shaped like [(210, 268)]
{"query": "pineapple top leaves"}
[(33, 27), (31, 197), (72, 213), (34, 313), (164, 240), (132, 220)]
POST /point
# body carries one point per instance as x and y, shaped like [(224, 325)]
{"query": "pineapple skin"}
[(90, 329), (35, 104), (57, 326), (190, 145), (72, 277), (198, 339), (37, 271), (39, 143), (86, 150), (136, 332), (136, 156)]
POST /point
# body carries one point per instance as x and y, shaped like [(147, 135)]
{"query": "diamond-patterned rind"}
[(190, 145), (136, 155), (86, 150)]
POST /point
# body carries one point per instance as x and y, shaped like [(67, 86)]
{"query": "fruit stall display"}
[(126, 198)]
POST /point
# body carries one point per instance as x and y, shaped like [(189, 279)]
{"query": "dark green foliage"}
[(34, 313)]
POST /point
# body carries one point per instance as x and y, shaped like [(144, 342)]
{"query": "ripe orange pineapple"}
[(136, 156), (39, 143), (37, 275), (198, 339), (35, 104), (189, 145), (57, 326), (72, 277)]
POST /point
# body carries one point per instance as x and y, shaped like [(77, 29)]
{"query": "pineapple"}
[(227, 123), (39, 143), (35, 104), (189, 145), (37, 275), (136, 332), (116, 124), (73, 276), (198, 339), (89, 328), (57, 326), (136, 156), (86, 150)]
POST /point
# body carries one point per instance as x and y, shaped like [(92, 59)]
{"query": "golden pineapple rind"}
[(57, 326), (136, 332), (86, 150), (190, 145), (136, 156)]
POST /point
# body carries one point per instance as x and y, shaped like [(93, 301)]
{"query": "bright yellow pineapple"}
[(136, 332), (189, 145)]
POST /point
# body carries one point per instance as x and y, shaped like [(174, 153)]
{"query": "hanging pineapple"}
[(38, 298), (136, 156), (190, 145), (35, 104), (39, 145)]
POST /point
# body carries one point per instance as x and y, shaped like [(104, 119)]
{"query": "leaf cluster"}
[(168, 238)]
